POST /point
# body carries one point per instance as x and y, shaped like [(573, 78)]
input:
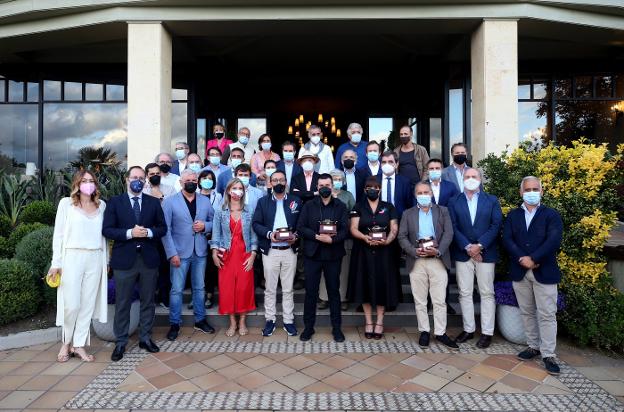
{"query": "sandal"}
[(378, 335), (83, 355), (231, 331), (243, 331), (62, 358), (367, 334)]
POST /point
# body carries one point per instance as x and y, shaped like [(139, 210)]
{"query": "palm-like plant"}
[(14, 194), (95, 159), (48, 186)]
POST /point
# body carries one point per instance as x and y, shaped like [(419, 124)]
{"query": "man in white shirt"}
[(316, 147), (243, 143), (165, 161), (373, 154), (395, 188), (252, 194)]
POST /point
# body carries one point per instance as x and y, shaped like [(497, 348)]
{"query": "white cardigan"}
[(61, 230)]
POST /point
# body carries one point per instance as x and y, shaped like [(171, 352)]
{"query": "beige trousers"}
[(428, 276), (484, 272), (279, 265)]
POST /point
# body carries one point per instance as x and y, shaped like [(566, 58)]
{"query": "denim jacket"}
[(221, 235)]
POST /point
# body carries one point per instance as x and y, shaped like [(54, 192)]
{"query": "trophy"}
[(284, 234), (328, 227), (377, 233), (427, 243)]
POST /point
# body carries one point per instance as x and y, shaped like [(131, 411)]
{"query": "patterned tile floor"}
[(214, 372)]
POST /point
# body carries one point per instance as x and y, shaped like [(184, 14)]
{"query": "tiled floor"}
[(280, 373)]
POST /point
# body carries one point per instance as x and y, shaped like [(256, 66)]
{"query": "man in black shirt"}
[(323, 252)]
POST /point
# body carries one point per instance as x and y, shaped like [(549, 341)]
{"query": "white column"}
[(494, 72), (149, 92)]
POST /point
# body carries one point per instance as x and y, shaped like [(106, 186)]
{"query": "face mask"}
[(269, 171), (196, 167), (372, 194), (435, 174), (290, 156), (236, 162), (405, 139), (307, 166), (236, 193), (531, 198), (356, 138), (423, 200), (348, 164), (325, 192), (154, 180), (165, 168), (190, 187), (244, 180), (243, 140), (136, 186), (279, 188), (215, 160), (372, 156), (315, 139), (266, 146), (387, 169), (180, 154), (471, 183), (207, 184), (219, 135), (459, 159), (88, 188), (338, 184)]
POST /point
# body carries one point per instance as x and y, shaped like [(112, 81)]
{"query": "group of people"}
[(249, 216)]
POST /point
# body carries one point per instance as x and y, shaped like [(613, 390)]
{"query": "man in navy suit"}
[(455, 172), (189, 220), (136, 223), (354, 178), (182, 150), (532, 235), (443, 190), (288, 164), (279, 257), (237, 157), (373, 165), (477, 219), (395, 189)]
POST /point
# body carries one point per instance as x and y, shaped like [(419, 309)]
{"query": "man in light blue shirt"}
[(252, 194), (355, 143)]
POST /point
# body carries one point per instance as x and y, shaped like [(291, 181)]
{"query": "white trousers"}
[(466, 272), (80, 281), (538, 307), (279, 265), (428, 276), (344, 275)]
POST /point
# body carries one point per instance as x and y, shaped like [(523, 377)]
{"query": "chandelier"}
[(328, 127)]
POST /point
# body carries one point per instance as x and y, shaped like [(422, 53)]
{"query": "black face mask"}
[(405, 139), (165, 168), (279, 188), (348, 164), (154, 180), (190, 187), (325, 192), (459, 159), (372, 194), (219, 135)]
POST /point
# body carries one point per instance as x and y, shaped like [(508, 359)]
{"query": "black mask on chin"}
[(154, 180), (190, 187), (325, 192), (165, 168), (279, 188), (460, 159)]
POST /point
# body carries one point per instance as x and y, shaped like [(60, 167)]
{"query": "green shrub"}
[(5, 226), (19, 291), (6, 249), (39, 211), (36, 249), (20, 231)]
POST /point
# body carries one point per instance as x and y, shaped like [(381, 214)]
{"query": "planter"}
[(105, 331), (510, 324)]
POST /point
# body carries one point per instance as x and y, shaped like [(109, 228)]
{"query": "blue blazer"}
[(447, 191), (175, 169), (368, 172), (295, 170), (402, 198), (541, 242), (119, 217), (485, 230), (180, 239), (264, 218), (225, 177)]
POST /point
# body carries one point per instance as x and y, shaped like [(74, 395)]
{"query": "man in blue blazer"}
[(182, 150), (288, 164), (395, 189), (532, 235), (189, 221), (477, 219), (237, 157), (279, 257), (443, 190), (135, 223)]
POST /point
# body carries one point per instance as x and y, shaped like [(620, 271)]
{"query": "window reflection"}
[(379, 129), (114, 92), (604, 85), (596, 121), (94, 91), (583, 86), (2, 90), (257, 126), (178, 123), (435, 137), (456, 116), (524, 89), (18, 135), (563, 88), (16, 91), (540, 89), (73, 91), (51, 90), (533, 121), (32, 92), (179, 94)]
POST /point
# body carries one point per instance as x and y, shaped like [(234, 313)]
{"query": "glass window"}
[(179, 94), (540, 88), (379, 129), (16, 91), (178, 124), (201, 137), (456, 116), (413, 121), (68, 127), (51, 90), (73, 91), (584, 86), (18, 135), (32, 92), (114, 92), (524, 88), (2, 90), (435, 137), (94, 91), (604, 86), (594, 120), (533, 121), (257, 127), (563, 88)]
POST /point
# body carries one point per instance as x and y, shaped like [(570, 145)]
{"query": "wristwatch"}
[(480, 246)]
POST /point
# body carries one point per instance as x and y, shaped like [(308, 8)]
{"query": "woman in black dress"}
[(374, 271)]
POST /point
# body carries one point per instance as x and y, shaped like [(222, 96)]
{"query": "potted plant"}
[(508, 317), (105, 330)]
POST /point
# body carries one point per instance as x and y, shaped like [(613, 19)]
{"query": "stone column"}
[(149, 92), (494, 71)]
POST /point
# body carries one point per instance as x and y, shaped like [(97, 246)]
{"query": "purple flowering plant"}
[(505, 295)]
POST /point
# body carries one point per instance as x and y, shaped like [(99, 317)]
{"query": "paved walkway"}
[(214, 372)]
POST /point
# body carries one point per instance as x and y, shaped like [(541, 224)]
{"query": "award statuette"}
[(377, 233), (284, 234), (427, 243), (327, 226)]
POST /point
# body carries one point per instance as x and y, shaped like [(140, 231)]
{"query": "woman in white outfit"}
[(79, 256)]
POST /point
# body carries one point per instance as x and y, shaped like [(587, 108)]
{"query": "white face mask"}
[(356, 138), (307, 165), (315, 139), (471, 183), (387, 169), (236, 192)]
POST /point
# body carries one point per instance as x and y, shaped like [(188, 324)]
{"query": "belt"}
[(280, 247)]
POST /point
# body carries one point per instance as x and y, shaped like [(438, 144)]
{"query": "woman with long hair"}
[(234, 244), (79, 257)]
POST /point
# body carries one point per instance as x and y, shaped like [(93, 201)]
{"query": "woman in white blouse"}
[(79, 256)]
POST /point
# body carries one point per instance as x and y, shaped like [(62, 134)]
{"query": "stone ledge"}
[(30, 338)]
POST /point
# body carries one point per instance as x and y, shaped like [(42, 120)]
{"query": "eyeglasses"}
[(133, 178)]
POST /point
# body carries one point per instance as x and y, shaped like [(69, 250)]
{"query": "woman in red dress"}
[(234, 245)]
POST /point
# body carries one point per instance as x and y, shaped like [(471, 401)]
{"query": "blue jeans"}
[(178, 279)]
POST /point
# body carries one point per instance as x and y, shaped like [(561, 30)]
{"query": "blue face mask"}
[(136, 186), (435, 174), (236, 162), (372, 156), (290, 156), (244, 180), (338, 184), (180, 154), (215, 160), (531, 198), (266, 146), (356, 138), (423, 200), (243, 140), (196, 167), (207, 184)]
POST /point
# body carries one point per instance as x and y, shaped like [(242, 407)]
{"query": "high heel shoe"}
[(367, 334), (378, 335), (85, 357)]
